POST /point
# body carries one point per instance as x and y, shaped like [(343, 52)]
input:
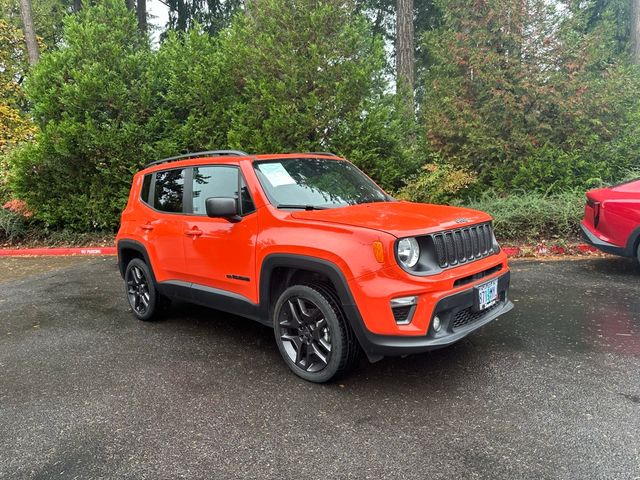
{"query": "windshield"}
[(316, 183)]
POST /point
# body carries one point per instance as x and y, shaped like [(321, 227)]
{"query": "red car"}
[(308, 245), (612, 219)]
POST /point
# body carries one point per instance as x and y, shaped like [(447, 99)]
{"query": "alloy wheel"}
[(138, 290), (305, 334)]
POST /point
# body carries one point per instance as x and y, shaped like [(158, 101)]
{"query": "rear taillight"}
[(595, 206), (596, 214)]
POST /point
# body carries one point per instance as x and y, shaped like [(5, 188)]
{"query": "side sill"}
[(210, 297)]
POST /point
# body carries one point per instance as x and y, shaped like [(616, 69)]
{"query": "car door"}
[(162, 225), (220, 254)]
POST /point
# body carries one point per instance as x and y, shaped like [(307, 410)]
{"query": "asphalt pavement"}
[(549, 391)]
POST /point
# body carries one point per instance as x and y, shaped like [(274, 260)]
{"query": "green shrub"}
[(106, 104), (531, 216), (530, 98), (191, 95), (437, 182), (13, 226), (309, 76), (90, 103)]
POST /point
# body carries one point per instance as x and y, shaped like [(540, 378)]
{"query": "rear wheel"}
[(312, 334), (144, 299)]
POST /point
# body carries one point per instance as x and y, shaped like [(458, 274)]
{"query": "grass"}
[(532, 217), (17, 231)]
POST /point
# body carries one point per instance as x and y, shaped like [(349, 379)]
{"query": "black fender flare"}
[(126, 244), (312, 264)]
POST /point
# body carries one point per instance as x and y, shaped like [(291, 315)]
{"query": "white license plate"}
[(487, 294)]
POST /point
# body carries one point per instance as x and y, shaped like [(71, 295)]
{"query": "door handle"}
[(194, 232), (147, 228)]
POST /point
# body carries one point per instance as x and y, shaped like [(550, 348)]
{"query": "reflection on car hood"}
[(401, 219)]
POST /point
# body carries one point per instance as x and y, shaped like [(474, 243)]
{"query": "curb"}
[(50, 252), (524, 251)]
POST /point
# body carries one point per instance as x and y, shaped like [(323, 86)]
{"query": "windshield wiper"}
[(301, 207)]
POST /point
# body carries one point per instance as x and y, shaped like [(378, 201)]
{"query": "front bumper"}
[(606, 247), (454, 309)]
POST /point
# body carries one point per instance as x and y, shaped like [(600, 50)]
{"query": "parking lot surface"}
[(549, 391)]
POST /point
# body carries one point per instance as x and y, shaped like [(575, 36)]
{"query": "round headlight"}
[(408, 252)]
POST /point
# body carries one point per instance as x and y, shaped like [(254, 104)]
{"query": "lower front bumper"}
[(606, 247), (458, 306)]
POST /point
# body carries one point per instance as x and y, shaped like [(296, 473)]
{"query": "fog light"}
[(436, 324)]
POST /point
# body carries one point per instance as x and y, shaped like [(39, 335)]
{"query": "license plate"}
[(487, 294)]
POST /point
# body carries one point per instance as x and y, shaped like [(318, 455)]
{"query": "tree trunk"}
[(405, 49), (635, 31), (141, 10), (77, 5), (131, 4), (29, 32)]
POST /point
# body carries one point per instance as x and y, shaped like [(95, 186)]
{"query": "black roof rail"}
[(212, 153), (322, 153)]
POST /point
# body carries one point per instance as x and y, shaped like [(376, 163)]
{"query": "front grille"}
[(469, 315), (455, 247)]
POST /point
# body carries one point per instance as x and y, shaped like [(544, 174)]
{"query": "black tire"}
[(312, 334), (144, 299)]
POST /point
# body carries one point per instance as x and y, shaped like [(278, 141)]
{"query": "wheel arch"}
[(331, 271), (633, 242), (296, 263), (130, 249)]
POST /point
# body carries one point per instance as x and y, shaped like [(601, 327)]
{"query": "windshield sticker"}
[(276, 174)]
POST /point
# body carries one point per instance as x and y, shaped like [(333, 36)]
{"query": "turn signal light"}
[(378, 251)]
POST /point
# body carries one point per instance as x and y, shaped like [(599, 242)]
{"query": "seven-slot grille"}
[(463, 245)]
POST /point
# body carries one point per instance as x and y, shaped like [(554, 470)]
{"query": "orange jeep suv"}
[(308, 245)]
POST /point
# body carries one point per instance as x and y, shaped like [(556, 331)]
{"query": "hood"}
[(401, 219)]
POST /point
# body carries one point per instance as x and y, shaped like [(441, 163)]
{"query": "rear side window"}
[(169, 190), (146, 189), (219, 181)]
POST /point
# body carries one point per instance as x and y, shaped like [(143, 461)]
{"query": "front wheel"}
[(312, 334)]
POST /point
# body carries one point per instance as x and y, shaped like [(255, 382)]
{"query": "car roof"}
[(232, 159)]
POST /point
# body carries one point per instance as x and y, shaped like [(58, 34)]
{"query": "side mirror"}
[(223, 207)]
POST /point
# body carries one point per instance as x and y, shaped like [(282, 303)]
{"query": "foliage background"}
[(521, 106)]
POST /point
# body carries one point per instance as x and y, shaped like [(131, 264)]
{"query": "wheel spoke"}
[(307, 356), (137, 275), (298, 359), (318, 353), (324, 344), (294, 314), (291, 338), (288, 323)]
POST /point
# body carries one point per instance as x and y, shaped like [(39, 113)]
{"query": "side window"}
[(146, 189), (218, 181), (168, 190)]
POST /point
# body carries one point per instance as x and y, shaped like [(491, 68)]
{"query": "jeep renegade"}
[(308, 245)]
